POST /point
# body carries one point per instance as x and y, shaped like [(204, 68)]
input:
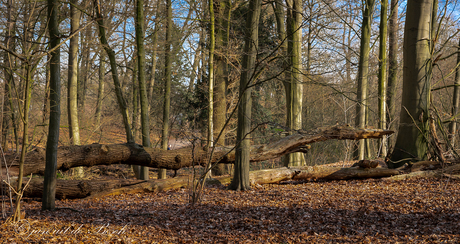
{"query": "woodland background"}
[(330, 49), (184, 80)]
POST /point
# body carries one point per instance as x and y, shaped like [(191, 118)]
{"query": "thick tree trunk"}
[(240, 179), (221, 78), (133, 154), (94, 189), (294, 86), (411, 143)]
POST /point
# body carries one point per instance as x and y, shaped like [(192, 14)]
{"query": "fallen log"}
[(134, 154), (417, 174), (95, 189), (450, 171)]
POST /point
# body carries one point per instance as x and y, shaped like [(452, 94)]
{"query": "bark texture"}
[(411, 143), (134, 154), (95, 189)]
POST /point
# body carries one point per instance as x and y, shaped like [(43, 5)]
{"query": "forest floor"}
[(356, 211)]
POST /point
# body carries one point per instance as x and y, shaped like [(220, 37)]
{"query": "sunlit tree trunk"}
[(25, 137), (294, 86), (72, 105), (281, 31), (240, 179), (221, 77), (383, 74), (49, 185), (212, 45), (135, 112), (363, 72), (392, 63), (456, 102), (411, 143), (154, 59), (7, 103), (100, 90), (145, 125), (167, 97)]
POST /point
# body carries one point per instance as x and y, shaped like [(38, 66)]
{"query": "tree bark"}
[(392, 63), (100, 90), (154, 44), (411, 143), (455, 102), (145, 125), (221, 77), (383, 75), (167, 96), (50, 165), (294, 86), (84, 68), (133, 154), (96, 189), (363, 72), (72, 103), (240, 179), (212, 45), (7, 71)]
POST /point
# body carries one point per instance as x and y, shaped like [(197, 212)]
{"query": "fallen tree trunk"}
[(451, 171), (68, 189), (134, 154), (94, 189)]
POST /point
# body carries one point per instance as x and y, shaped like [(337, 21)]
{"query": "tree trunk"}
[(221, 78), (47, 93), (154, 56), (167, 97), (49, 192), (294, 90), (7, 69), (145, 125), (135, 111), (133, 154), (392, 64), (363, 72), (240, 181), (113, 65), (84, 69), (283, 43), (383, 75), (100, 91), (95, 189), (212, 45), (456, 102), (72, 103), (411, 143)]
